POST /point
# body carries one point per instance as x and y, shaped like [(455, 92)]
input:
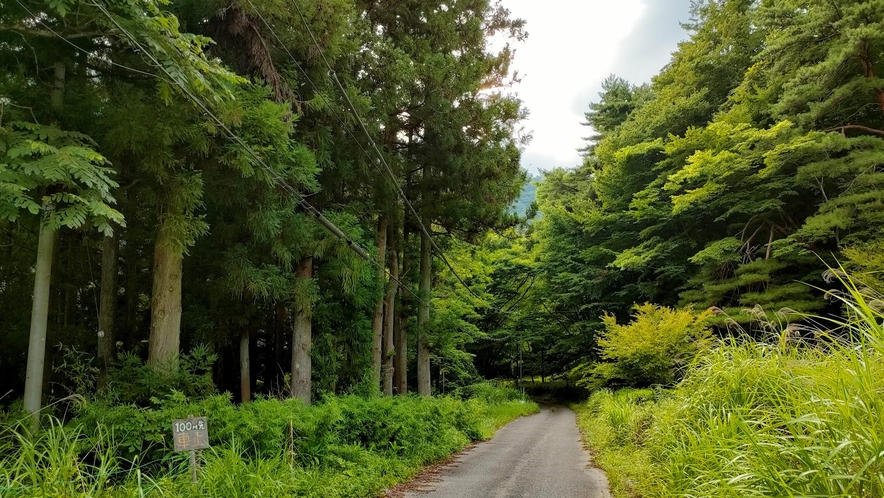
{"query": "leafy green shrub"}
[(346, 446), (414, 427), (654, 348), (490, 392), (130, 380), (77, 373), (786, 418)]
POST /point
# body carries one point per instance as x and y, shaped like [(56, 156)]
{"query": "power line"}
[(316, 89), (77, 47), (391, 179), (309, 79), (331, 227), (377, 150)]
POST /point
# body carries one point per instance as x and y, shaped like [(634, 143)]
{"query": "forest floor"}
[(537, 456)]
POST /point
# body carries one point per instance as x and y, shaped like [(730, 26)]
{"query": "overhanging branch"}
[(866, 129), (49, 34)]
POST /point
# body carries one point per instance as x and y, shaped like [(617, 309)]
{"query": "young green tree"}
[(58, 176)]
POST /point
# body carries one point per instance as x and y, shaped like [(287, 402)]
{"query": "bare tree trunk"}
[(377, 325), (245, 369), (39, 316), (280, 327), (423, 316), (400, 340), (769, 244), (165, 304), (400, 371), (107, 307), (130, 260), (390, 312), (36, 361), (58, 86), (302, 339), (865, 59)]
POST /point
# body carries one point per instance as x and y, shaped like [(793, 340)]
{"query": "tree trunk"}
[(130, 261), (302, 338), (400, 360), (390, 312), (377, 325), (423, 316), (39, 316), (245, 369), (57, 98), (107, 308), (165, 304), (280, 326), (400, 343), (865, 59), (36, 361)]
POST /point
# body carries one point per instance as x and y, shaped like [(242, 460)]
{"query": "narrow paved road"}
[(540, 456)]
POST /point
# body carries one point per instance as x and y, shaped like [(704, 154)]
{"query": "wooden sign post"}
[(191, 434)]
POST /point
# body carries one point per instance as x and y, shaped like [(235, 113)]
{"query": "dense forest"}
[(208, 202), (276, 183), (747, 167)]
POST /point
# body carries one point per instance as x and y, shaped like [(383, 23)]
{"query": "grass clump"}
[(342, 447), (615, 424), (776, 418)]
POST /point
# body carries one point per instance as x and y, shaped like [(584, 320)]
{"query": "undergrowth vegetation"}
[(788, 416), (655, 347), (345, 446)]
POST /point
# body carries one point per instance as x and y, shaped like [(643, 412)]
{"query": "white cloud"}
[(572, 46)]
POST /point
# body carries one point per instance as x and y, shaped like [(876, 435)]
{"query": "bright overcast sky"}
[(572, 46)]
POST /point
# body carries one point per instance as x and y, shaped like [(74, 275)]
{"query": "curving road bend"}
[(538, 457)]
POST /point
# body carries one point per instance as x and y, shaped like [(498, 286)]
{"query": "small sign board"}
[(190, 434)]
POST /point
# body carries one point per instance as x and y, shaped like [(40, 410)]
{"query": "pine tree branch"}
[(842, 129)]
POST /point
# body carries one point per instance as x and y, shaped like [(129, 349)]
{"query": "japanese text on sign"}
[(190, 434)]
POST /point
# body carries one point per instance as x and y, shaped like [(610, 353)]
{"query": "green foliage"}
[(160, 87), (49, 463), (615, 425), (77, 370), (654, 348), (131, 381), (345, 446), (787, 418), (491, 393), (751, 161), (44, 168), (866, 261)]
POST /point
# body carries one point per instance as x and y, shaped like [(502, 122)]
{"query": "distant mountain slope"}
[(529, 193)]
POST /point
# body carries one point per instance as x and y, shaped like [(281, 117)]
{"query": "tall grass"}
[(785, 417), (342, 447)]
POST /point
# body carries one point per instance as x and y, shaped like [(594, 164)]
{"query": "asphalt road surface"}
[(540, 456)]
